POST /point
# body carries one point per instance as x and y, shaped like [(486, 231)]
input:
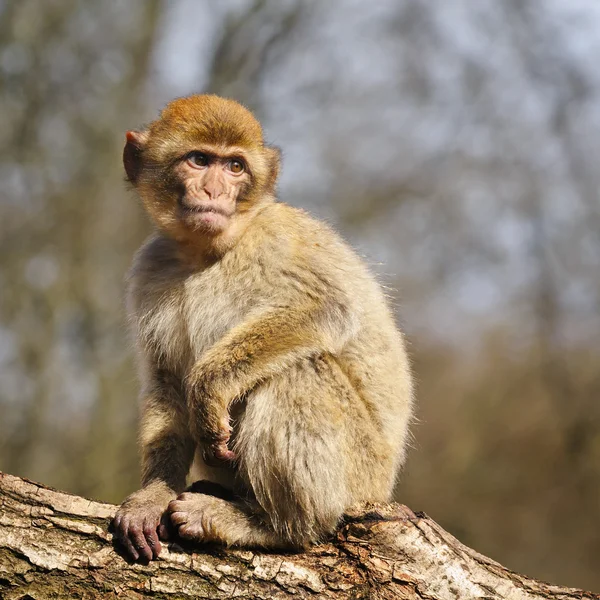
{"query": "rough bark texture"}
[(55, 545)]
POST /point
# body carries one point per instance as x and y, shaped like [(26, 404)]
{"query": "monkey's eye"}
[(236, 166), (197, 159)]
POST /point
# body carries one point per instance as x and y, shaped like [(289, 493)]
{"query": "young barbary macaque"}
[(267, 352)]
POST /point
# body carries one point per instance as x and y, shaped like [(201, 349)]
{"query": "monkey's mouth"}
[(204, 208), (204, 217), (201, 210)]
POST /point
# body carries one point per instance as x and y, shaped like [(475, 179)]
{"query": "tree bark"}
[(56, 545)]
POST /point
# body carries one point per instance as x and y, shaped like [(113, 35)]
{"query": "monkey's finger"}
[(175, 505), (151, 536), (222, 452), (136, 535), (164, 527), (163, 533), (211, 460), (116, 522), (179, 518), (125, 541), (188, 532), (123, 537)]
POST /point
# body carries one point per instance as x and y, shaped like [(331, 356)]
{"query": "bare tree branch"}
[(55, 545)]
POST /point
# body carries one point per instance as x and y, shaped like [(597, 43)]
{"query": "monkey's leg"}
[(308, 446)]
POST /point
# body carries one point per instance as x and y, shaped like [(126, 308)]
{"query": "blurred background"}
[(456, 144)]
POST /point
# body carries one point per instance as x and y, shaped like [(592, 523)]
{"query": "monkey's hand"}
[(142, 520), (209, 414)]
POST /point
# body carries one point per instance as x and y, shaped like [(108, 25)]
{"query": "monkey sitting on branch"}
[(269, 359)]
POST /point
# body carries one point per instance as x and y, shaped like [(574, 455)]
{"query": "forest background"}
[(455, 144)]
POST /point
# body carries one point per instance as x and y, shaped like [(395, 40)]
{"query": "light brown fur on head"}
[(209, 118)]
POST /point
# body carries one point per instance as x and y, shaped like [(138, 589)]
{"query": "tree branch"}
[(55, 545)]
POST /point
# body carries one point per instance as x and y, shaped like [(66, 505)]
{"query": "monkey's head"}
[(201, 166)]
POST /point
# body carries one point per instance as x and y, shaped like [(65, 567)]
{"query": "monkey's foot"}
[(200, 517)]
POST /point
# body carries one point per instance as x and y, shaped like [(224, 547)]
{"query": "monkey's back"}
[(316, 261)]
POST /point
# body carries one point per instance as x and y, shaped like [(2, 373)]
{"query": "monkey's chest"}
[(184, 321)]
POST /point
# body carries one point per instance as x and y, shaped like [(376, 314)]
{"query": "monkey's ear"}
[(273, 155), (132, 153)]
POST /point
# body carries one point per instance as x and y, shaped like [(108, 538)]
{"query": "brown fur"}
[(274, 322)]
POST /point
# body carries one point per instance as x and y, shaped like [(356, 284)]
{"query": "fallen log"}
[(57, 545)]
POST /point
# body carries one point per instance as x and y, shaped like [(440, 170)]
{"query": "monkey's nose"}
[(213, 192)]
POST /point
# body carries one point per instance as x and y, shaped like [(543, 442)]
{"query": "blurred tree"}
[(72, 75)]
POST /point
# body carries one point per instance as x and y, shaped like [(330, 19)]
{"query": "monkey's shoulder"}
[(155, 271), (157, 254), (295, 221), (292, 233)]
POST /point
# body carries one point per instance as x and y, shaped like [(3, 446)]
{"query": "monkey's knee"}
[(308, 450)]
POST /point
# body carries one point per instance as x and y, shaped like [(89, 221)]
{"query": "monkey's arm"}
[(263, 345), (166, 445), (167, 451)]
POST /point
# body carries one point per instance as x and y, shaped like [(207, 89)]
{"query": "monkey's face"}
[(209, 185), (200, 193), (201, 166)]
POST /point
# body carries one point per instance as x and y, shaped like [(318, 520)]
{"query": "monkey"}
[(271, 366)]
